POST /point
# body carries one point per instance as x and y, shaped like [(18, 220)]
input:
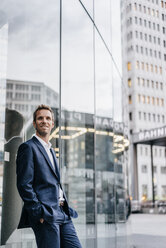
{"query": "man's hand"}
[(41, 220)]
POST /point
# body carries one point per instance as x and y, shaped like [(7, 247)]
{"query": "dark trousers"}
[(61, 234)]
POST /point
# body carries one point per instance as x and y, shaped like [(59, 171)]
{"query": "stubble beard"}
[(41, 133)]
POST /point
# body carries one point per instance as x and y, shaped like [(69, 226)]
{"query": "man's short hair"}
[(40, 107)]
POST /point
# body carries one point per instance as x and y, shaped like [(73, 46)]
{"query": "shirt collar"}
[(43, 142)]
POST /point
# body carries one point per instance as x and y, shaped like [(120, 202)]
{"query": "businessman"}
[(45, 208)]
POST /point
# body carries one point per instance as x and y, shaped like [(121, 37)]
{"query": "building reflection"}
[(91, 158), (3, 68)]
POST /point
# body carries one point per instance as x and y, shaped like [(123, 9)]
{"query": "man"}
[(45, 208)]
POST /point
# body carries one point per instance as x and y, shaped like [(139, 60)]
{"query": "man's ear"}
[(34, 124)]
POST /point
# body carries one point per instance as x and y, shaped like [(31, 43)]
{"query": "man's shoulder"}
[(28, 143)]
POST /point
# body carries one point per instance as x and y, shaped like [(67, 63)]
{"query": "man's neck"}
[(44, 138)]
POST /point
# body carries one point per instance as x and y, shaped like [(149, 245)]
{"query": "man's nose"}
[(44, 120)]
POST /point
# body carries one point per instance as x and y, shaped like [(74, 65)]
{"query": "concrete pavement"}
[(148, 230)]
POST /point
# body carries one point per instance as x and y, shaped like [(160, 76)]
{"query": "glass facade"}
[(66, 50)]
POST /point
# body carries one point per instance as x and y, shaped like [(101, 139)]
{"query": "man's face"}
[(44, 122)]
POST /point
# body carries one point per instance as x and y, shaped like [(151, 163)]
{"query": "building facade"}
[(24, 96), (144, 67)]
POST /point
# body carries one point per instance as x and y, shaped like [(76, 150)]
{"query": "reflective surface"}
[(63, 54)]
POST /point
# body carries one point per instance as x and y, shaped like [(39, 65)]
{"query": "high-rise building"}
[(144, 67), (24, 96)]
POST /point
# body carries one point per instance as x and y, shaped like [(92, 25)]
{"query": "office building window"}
[(146, 151), (161, 86), (149, 12), (149, 116), (147, 82), (150, 38), (163, 119), (142, 65), (157, 13), (130, 116), (137, 64), (144, 9), (141, 150), (147, 67), (139, 98), (155, 151), (135, 6), (144, 168), (143, 82), (158, 27), (163, 191), (148, 99), (151, 68), (144, 192), (141, 35), (154, 117), (130, 99), (143, 99), (137, 49), (129, 66), (162, 102), (146, 50), (145, 23), (144, 116), (157, 101), (163, 169), (153, 100), (156, 69), (129, 82), (154, 26)]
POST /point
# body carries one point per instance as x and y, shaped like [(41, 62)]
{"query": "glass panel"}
[(104, 141), (77, 123), (103, 20), (30, 30), (85, 135), (88, 5)]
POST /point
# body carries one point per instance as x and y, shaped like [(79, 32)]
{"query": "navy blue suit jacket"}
[(38, 185)]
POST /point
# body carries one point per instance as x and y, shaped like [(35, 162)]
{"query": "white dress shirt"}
[(47, 147)]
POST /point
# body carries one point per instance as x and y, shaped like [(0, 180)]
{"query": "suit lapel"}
[(55, 162), (43, 151)]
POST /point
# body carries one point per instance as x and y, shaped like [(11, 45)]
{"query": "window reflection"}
[(88, 143)]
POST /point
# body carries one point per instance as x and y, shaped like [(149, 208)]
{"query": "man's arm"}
[(25, 177)]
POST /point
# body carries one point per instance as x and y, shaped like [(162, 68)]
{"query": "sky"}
[(33, 50)]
